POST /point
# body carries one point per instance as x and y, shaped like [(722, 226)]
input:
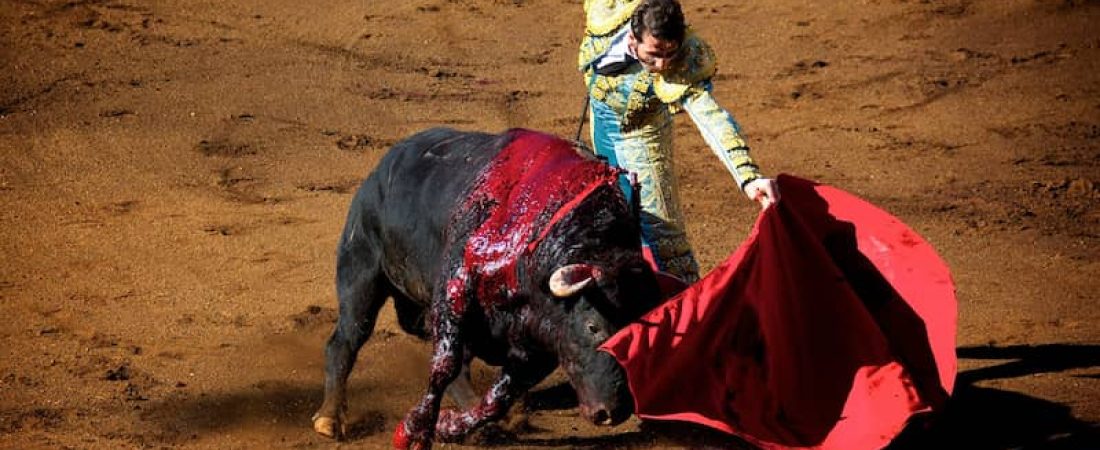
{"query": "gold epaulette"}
[(606, 16), (698, 65)]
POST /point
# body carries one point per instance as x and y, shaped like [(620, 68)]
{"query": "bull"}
[(515, 248)]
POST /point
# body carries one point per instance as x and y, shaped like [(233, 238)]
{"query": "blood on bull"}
[(514, 248)]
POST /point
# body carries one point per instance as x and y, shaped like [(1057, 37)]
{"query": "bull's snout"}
[(603, 415), (597, 414), (602, 393)]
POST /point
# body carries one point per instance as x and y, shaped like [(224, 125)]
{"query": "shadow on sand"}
[(974, 418), (276, 406), (984, 418)]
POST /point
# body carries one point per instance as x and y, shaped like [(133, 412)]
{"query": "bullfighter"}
[(642, 65)]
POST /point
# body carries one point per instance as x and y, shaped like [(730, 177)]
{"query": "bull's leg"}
[(416, 431), (461, 390), (362, 291), (410, 316), (513, 382)]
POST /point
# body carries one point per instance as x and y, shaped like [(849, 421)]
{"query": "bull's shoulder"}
[(443, 141), (432, 169)]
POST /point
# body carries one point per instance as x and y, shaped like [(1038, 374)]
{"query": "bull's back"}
[(407, 202)]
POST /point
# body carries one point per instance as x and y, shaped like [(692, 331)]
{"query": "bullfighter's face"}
[(656, 55)]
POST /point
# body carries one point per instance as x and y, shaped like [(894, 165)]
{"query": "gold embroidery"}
[(697, 66), (605, 16), (591, 48), (605, 89), (638, 99)]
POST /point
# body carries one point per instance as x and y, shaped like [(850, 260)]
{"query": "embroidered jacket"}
[(640, 97)]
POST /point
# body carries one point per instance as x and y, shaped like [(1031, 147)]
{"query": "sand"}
[(174, 176)]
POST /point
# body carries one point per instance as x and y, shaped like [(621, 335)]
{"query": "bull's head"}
[(598, 302)]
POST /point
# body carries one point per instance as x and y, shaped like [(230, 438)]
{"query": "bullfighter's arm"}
[(721, 132)]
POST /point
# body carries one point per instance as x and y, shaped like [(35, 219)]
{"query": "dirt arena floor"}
[(174, 175)]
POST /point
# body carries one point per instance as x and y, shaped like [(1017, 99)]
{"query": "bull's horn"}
[(571, 279)]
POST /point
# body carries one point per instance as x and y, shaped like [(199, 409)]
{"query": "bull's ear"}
[(571, 279)]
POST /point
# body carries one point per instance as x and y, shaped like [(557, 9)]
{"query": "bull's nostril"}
[(601, 417)]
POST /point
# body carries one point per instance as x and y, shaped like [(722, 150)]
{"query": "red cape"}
[(828, 328)]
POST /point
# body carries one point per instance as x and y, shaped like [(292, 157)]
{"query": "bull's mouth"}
[(603, 416), (602, 394)]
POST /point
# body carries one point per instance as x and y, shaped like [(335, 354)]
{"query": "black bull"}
[(514, 248)]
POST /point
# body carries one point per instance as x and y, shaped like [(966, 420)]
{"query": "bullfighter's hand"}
[(763, 190)]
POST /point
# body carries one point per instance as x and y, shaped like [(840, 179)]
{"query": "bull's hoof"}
[(328, 427)]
